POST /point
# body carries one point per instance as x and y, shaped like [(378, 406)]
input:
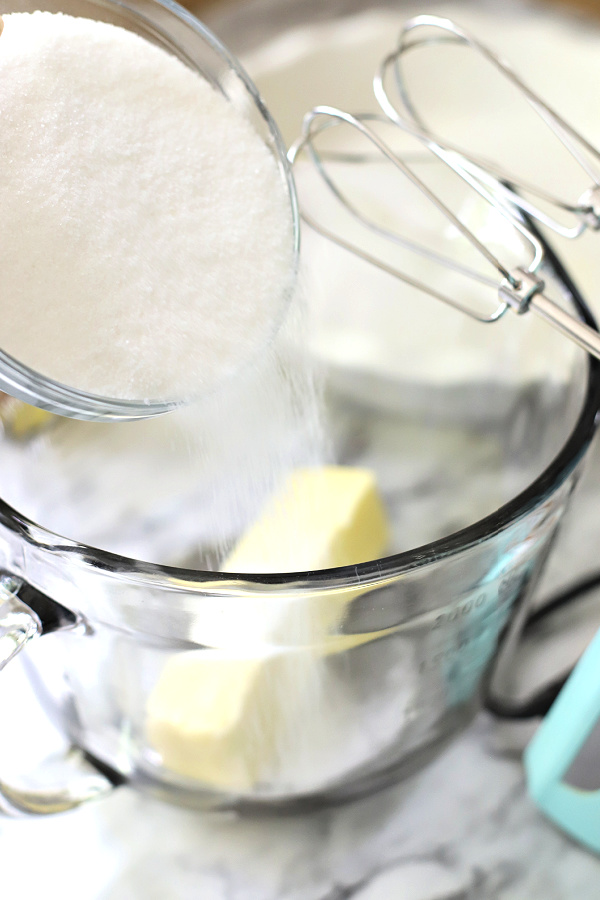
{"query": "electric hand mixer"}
[(520, 288), (569, 730)]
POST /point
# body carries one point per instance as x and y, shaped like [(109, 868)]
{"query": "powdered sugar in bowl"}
[(150, 234)]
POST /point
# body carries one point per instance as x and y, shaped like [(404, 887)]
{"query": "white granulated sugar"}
[(145, 239)]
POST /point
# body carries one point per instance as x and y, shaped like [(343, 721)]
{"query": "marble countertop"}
[(463, 829)]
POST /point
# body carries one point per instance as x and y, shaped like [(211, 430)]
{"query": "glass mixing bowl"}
[(476, 451)]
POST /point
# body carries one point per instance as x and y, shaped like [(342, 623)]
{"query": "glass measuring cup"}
[(409, 639), (199, 50)]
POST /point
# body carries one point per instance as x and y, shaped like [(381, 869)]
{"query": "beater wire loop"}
[(323, 118), (425, 31), (518, 286)]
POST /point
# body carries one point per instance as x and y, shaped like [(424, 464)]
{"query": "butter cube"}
[(21, 420), (229, 718), (324, 518), (226, 721)]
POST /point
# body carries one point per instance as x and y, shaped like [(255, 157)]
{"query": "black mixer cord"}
[(539, 702)]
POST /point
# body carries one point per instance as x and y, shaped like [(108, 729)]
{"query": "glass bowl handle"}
[(26, 613)]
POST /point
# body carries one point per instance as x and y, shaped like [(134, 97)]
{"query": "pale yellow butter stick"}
[(323, 518), (226, 719)]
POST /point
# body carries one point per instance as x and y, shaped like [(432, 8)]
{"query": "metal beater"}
[(520, 287)]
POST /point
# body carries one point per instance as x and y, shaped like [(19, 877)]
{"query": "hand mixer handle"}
[(572, 328), (558, 743), (525, 292)]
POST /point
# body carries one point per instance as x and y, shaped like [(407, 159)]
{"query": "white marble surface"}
[(463, 829)]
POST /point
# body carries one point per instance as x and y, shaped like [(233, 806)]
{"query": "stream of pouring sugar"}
[(120, 152), (178, 489)]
